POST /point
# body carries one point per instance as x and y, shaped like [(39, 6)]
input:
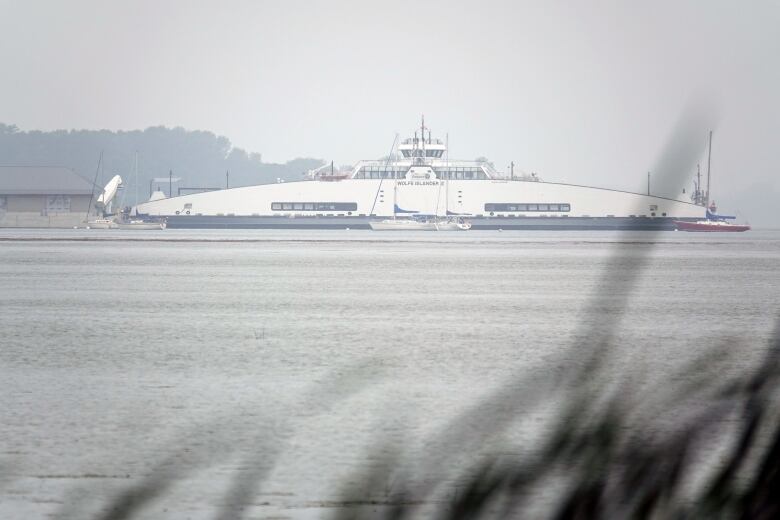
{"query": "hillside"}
[(200, 158)]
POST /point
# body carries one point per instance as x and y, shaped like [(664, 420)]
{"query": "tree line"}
[(200, 158)]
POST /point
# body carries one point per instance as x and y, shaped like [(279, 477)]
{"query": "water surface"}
[(124, 351)]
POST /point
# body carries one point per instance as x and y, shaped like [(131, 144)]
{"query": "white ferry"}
[(419, 180)]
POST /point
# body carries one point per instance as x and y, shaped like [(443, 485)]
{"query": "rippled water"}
[(309, 353)]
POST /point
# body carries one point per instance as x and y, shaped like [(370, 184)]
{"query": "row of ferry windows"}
[(511, 206), (419, 153), (454, 173), (314, 206)]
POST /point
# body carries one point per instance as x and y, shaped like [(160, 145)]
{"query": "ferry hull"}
[(477, 223)]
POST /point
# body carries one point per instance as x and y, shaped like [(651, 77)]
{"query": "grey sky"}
[(583, 92)]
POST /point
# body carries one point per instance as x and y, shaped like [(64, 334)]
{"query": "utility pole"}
[(227, 179), (512, 170), (648, 183), (170, 183)]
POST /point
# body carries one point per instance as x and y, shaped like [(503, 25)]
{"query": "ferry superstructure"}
[(419, 179)]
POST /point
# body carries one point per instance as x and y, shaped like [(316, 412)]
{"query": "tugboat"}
[(713, 223)]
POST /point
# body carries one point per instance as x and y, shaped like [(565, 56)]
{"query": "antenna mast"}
[(422, 135)]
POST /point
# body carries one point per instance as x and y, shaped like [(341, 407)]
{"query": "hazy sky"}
[(582, 92)]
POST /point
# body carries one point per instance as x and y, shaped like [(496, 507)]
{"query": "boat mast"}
[(379, 188), (395, 196), (697, 194), (447, 180), (709, 157), (94, 183), (136, 177)]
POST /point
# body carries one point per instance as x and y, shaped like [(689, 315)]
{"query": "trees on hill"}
[(199, 157)]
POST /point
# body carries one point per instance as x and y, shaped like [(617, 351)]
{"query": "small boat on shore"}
[(101, 223), (141, 224), (411, 224), (453, 225), (402, 224)]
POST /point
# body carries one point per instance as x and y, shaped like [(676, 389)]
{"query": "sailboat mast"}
[(381, 179), (136, 178), (697, 194), (395, 196), (94, 183), (709, 157)]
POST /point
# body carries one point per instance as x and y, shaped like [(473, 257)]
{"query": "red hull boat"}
[(709, 226)]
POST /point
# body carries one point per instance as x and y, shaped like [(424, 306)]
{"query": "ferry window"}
[(314, 206), (337, 206), (469, 175), (520, 207)]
